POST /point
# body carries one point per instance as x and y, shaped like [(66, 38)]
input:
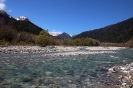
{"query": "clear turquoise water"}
[(25, 70)]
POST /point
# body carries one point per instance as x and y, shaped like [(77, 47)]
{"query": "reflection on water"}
[(33, 70)]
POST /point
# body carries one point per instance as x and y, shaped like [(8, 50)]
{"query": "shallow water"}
[(34, 70)]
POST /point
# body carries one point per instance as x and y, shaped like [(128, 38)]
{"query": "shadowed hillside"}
[(19, 25), (117, 33)]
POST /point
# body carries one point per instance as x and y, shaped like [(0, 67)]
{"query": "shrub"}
[(43, 39)]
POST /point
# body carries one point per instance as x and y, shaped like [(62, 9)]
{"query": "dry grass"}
[(129, 43), (112, 44)]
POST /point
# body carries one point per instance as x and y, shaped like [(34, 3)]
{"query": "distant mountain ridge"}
[(64, 35), (118, 33), (21, 24), (55, 33), (21, 18)]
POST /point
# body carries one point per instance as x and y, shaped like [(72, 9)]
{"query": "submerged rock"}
[(27, 79), (16, 86), (1, 78)]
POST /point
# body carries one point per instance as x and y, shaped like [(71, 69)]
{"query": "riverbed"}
[(61, 66)]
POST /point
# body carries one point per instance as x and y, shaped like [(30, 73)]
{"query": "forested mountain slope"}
[(19, 25), (117, 33)]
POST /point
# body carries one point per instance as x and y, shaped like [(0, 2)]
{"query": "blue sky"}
[(71, 16)]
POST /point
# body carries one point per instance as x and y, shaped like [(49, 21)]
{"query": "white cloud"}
[(9, 11), (2, 1), (2, 4), (55, 33)]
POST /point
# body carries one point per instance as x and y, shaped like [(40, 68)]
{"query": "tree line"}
[(44, 39), (13, 37)]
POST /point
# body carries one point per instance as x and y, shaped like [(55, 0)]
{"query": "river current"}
[(33, 70)]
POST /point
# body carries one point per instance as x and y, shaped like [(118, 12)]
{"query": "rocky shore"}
[(123, 75), (69, 50)]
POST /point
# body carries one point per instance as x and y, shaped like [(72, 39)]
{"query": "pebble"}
[(123, 74), (66, 50)]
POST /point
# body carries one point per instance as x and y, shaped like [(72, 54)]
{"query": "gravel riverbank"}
[(73, 50)]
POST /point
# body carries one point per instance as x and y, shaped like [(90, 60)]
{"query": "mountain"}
[(73, 35), (26, 26), (21, 18), (21, 24), (117, 33), (55, 33), (61, 35), (5, 19), (64, 36)]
